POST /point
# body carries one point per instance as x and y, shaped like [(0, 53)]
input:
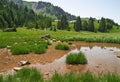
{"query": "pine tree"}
[(102, 25), (85, 25), (63, 23), (91, 24), (77, 24), (58, 25), (109, 23), (3, 23)]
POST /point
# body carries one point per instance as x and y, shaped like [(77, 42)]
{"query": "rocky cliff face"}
[(45, 8), (50, 9)]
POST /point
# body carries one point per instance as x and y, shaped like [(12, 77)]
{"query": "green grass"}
[(72, 77), (32, 75), (24, 75), (62, 47), (37, 47), (19, 49), (25, 35), (29, 75), (76, 58)]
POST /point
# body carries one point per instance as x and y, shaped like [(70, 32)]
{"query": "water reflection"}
[(100, 60)]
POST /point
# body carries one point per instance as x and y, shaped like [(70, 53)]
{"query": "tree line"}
[(13, 16), (105, 24)]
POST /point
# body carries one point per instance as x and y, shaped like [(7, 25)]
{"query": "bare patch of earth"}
[(100, 59)]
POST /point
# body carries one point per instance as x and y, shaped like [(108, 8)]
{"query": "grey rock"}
[(17, 68), (22, 63)]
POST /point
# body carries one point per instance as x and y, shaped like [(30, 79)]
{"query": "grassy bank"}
[(25, 35), (32, 75)]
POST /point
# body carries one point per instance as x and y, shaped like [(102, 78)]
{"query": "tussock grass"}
[(37, 47), (25, 75), (62, 47), (32, 75), (19, 49), (29, 75), (1, 78), (76, 58)]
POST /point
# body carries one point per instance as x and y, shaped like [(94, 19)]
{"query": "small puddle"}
[(100, 60)]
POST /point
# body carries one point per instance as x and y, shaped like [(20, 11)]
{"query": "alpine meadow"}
[(52, 41)]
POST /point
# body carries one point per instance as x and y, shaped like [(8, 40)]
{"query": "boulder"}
[(17, 68), (22, 63), (97, 66), (54, 40), (47, 73), (118, 56), (45, 36), (111, 49)]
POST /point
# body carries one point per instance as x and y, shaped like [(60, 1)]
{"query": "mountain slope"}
[(48, 9), (18, 2), (12, 16)]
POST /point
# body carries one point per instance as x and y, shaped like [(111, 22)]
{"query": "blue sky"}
[(90, 8)]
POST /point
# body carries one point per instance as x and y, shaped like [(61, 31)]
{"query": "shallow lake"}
[(101, 59)]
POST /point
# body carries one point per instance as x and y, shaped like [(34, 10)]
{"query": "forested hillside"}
[(48, 9), (12, 16)]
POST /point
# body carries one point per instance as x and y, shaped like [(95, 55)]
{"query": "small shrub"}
[(10, 30), (39, 49), (62, 47), (76, 58), (49, 42), (29, 75), (70, 43), (1, 78), (19, 49)]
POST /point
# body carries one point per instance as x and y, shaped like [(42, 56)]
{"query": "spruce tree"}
[(85, 25), (102, 25), (91, 25), (77, 24), (63, 23)]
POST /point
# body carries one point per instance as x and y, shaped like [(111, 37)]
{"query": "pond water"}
[(101, 59)]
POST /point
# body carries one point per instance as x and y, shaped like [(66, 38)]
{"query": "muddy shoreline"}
[(54, 60)]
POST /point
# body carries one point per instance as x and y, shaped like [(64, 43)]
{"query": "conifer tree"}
[(91, 24), (102, 25), (77, 24)]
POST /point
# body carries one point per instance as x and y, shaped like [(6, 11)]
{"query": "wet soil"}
[(8, 61), (102, 58)]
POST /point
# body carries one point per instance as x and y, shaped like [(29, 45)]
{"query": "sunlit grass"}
[(25, 35), (32, 75), (76, 58), (61, 46), (37, 47)]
